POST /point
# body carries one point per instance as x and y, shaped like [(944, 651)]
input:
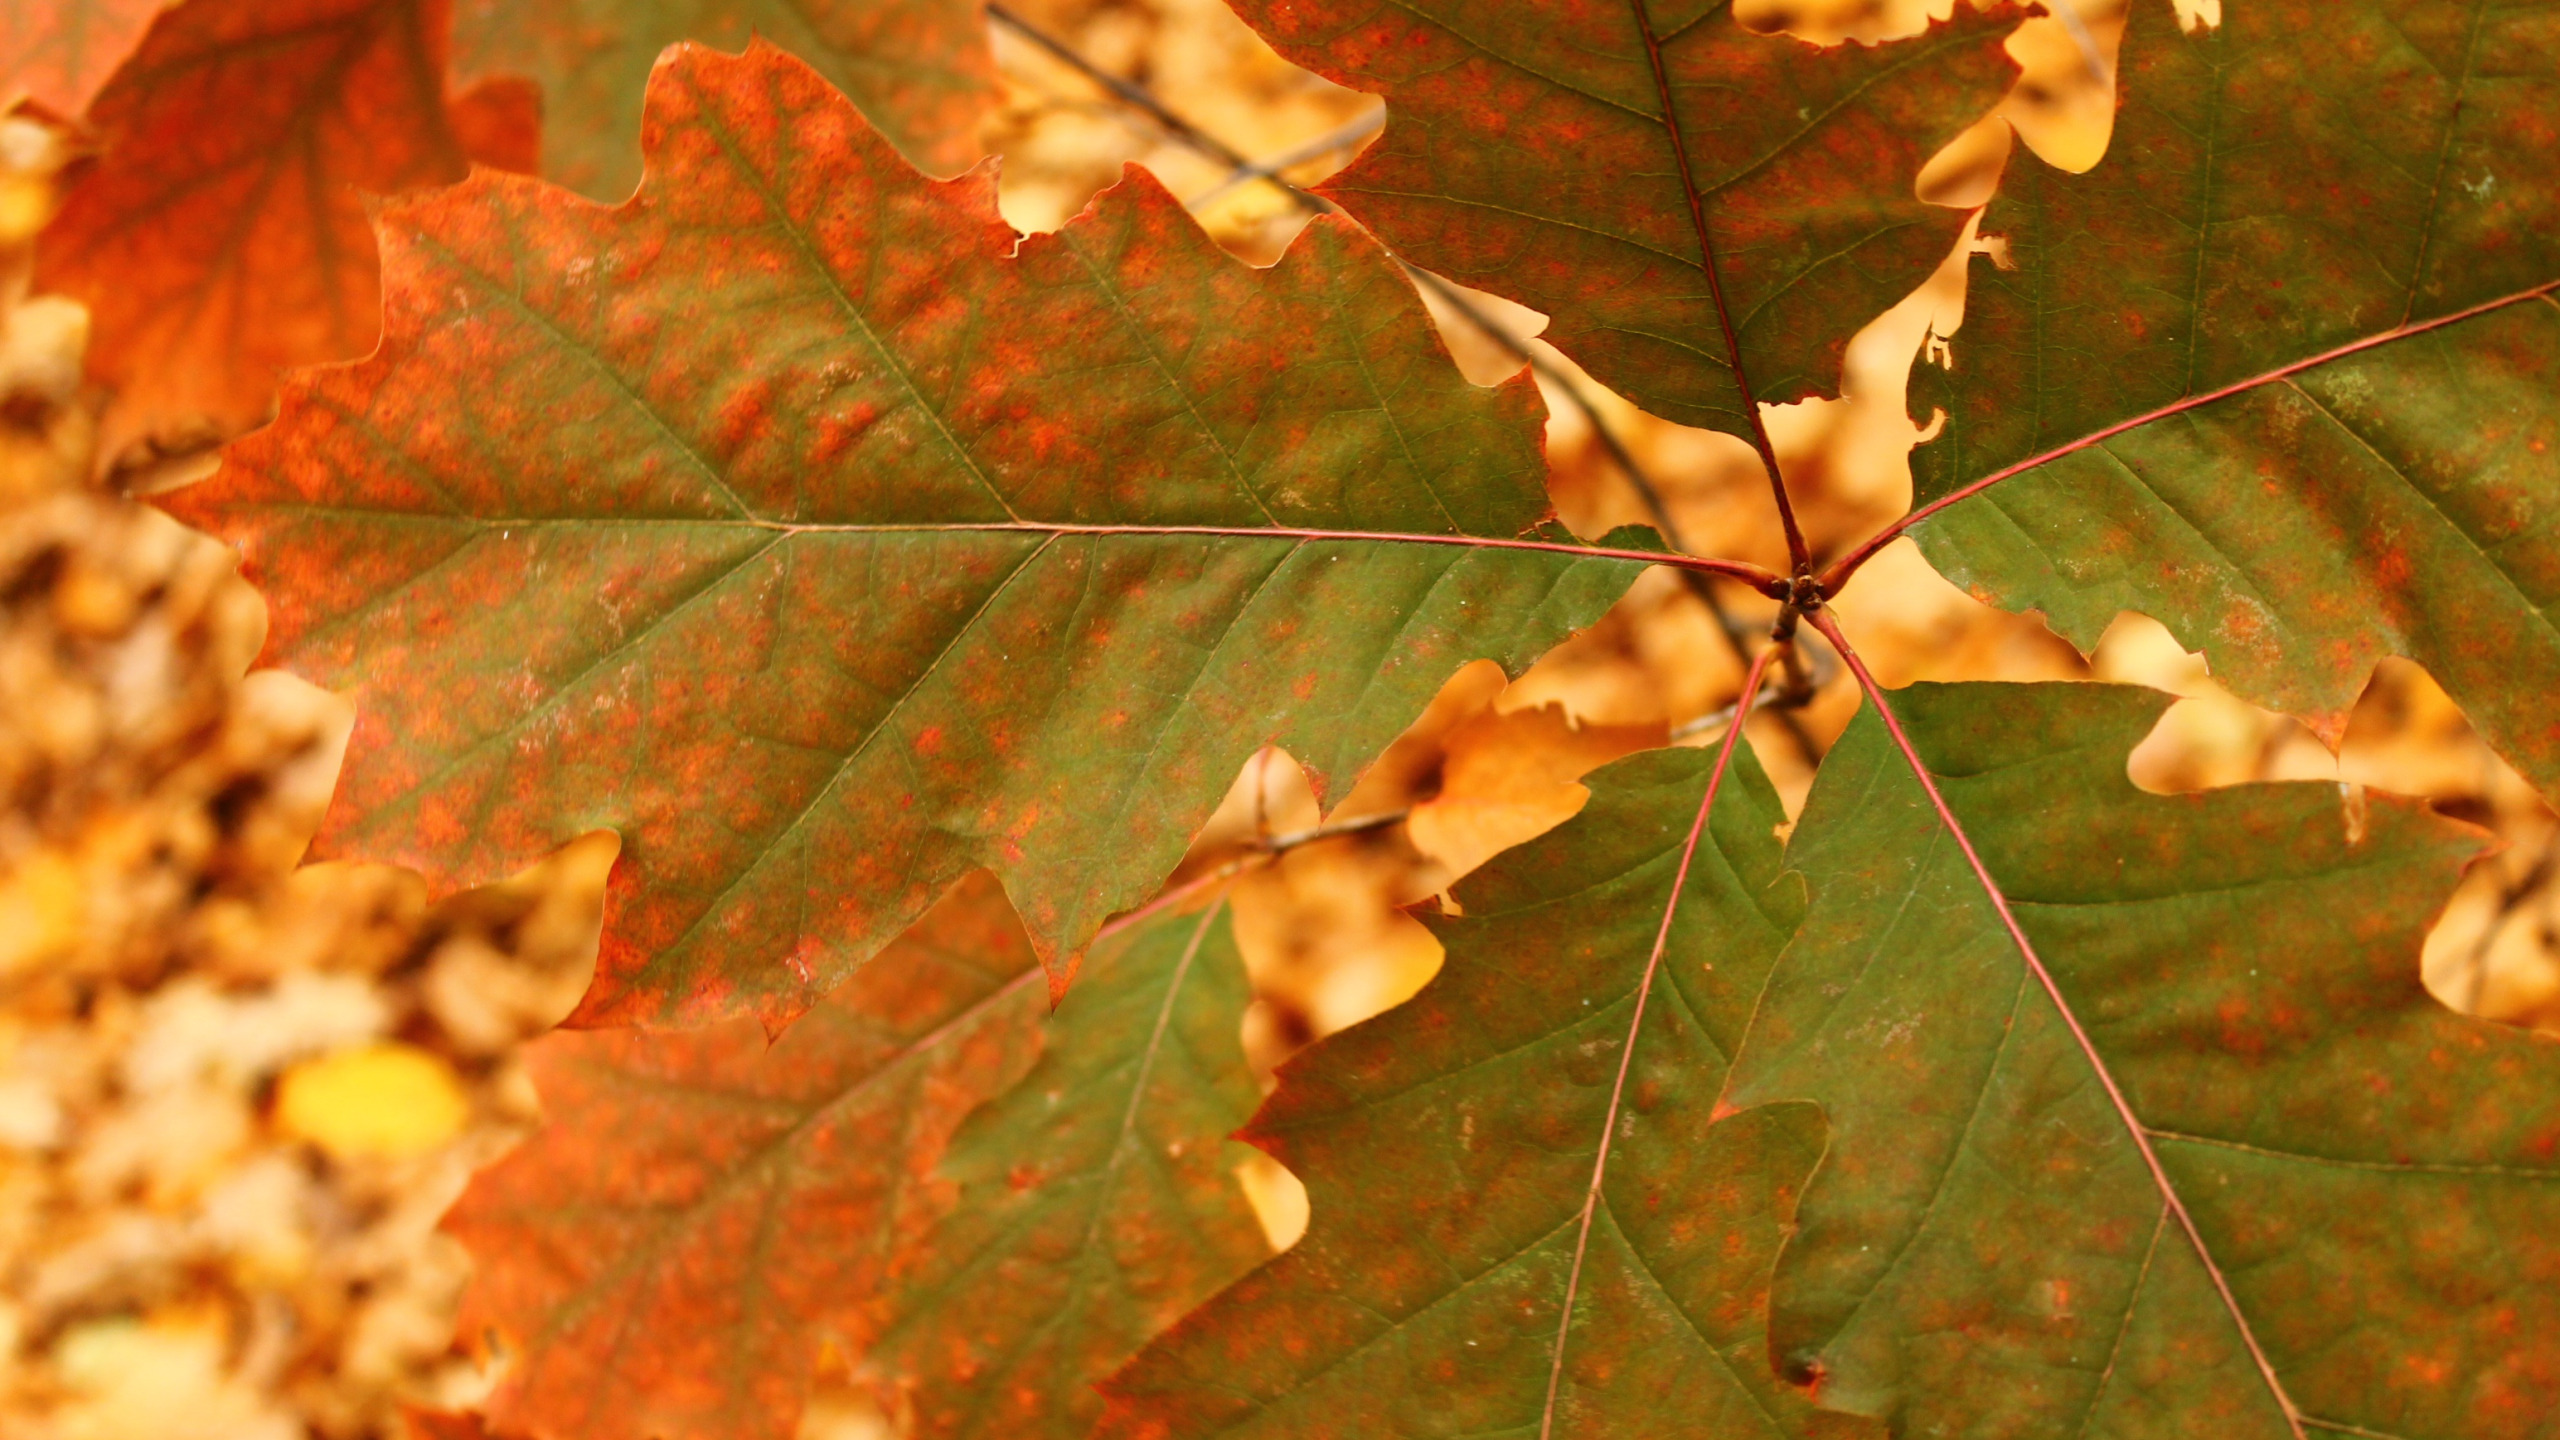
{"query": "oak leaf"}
[(1097, 1199), (1510, 776), (667, 1254), (1686, 200), (828, 540), (1452, 1147), (2316, 278), (2235, 1173)]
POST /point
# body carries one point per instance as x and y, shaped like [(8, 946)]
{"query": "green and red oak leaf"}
[(221, 235), (58, 52), (1448, 1148), (703, 1211), (805, 525), (2316, 279), (1986, 1251), (919, 69), (1536, 149)]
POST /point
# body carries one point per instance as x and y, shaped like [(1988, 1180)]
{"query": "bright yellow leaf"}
[(375, 1101)]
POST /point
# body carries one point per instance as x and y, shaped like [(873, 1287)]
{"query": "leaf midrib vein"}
[(2032, 964), (1866, 549)]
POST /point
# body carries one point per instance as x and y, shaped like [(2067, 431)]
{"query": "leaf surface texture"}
[(1097, 1200), (919, 69)]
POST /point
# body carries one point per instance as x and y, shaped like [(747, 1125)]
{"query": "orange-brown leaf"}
[(222, 234), (1509, 777)]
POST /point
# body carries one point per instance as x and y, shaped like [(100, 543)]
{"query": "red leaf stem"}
[(1796, 548), (1635, 1026)]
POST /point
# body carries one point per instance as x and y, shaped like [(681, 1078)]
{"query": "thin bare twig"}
[(1770, 700), (1133, 95), (1340, 137), (1275, 846), (1264, 850), (1799, 554), (1782, 702), (2068, 12)]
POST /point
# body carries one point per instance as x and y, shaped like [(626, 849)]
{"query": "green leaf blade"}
[(2314, 279), (1526, 153), (1985, 1251), (2415, 477), (1097, 1199)]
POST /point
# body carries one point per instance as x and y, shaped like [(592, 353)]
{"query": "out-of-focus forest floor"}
[(236, 1095)]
